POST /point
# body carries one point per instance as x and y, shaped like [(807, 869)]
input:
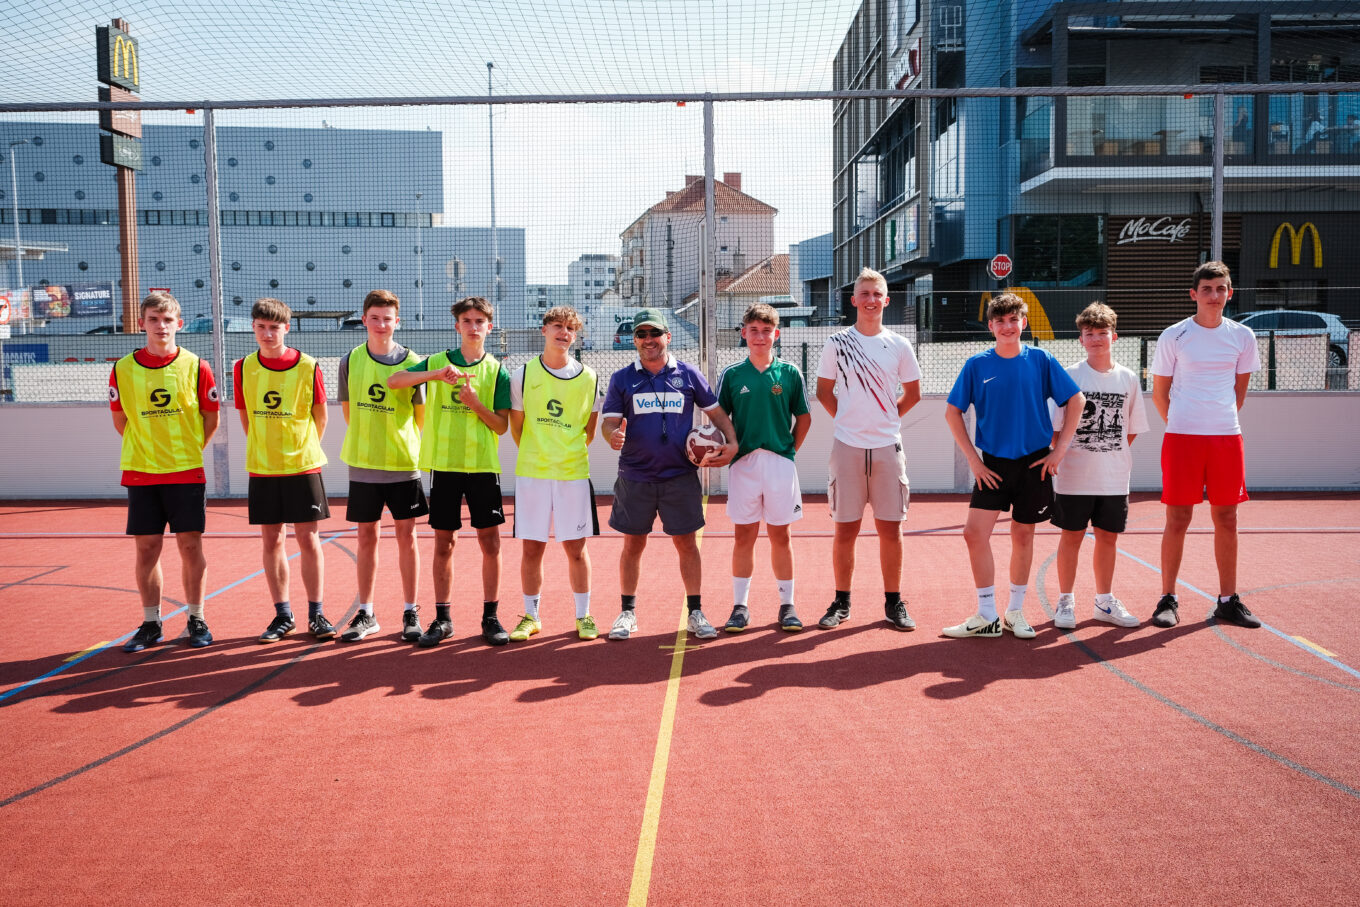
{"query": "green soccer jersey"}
[(763, 405), (455, 438)]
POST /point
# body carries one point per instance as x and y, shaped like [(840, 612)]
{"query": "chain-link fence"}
[(610, 207)]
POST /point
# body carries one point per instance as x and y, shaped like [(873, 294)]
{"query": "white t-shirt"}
[(566, 373), (1203, 365), (868, 370), (1099, 460)]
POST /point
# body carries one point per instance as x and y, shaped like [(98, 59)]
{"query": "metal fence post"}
[(220, 449)]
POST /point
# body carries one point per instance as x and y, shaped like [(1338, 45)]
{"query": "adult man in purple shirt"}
[(648, 411)]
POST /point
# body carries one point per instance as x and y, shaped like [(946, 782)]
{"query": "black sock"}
[(891, 598), (692, 602), (441, 612), (629, 602), (283, 609), (843, 597), (313, 609), (489, 609)]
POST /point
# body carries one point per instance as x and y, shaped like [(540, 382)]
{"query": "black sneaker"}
[(410, 624), (439, 631), (897, 616), (1234, 612), (1164, 615), (739, 619), (838, 613), (321, 628), (278, 628), (199, 634), (364, 624), (788, 620), (148, 634), (492, 631)]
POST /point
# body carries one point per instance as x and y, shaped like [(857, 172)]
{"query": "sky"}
[(572, 175)]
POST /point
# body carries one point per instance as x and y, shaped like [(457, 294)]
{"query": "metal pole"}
[(1216, 245), (491, 148), (18, 245), (221, 461), (708, 266), (420, 269)]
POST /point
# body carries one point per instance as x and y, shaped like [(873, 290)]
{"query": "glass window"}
[(389, 219)]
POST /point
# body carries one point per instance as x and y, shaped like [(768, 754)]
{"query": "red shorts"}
[(1192, 464)]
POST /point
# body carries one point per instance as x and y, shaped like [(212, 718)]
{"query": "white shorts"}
[(567, 506), (764, 486)]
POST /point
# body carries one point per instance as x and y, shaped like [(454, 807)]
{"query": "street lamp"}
[(420, 269), (14, 198)]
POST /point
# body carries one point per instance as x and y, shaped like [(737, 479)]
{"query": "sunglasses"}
[(651, 333)]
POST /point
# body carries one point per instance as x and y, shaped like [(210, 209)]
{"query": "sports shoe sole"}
[(982, 632), (359, 635), (1111, 619), (827, 624), (1023, 633)]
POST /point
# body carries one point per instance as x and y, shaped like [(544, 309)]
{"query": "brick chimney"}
[(691, 179), (733, 180)]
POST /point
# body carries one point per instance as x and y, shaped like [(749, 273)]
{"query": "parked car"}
[(1294, 322), (202, 324)]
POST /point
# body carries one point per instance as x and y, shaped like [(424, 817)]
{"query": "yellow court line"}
[(656, 786), (82, 652), (1317, 648)]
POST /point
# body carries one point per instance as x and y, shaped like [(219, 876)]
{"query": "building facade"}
[(1103, 196), (315, 217), (659, 259)]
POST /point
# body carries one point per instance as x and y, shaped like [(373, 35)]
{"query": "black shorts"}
[(678, 501), (483, 493), (1020, 488), (1109, 512), (286, 499), (152, 507), (404, 500)]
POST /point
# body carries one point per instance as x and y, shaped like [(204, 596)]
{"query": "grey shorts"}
[(678, 501), (875, 476)]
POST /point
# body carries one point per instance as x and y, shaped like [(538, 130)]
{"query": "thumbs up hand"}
[(620, 434)]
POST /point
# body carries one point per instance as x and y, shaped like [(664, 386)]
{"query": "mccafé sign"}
[(117, 53), (1296, 238), (1160, 229)]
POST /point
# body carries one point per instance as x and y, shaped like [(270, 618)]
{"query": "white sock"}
[(367, 608), (410, 606), (196, 611), (741, 589), (987, 603), (582, 604), (785, 591), (1066, 598), (1104, 598), (531, 606), (151, 615), (1017, 597), (1223, 599)]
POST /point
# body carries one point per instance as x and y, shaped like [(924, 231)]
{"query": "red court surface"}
[(1202, 764)]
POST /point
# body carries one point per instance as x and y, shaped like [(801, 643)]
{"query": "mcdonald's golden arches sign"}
[(118, 64)]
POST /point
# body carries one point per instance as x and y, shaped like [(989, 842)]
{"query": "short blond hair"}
[(871, 276), (563, 314), (161, 302), (269, 309), (1097, 315)]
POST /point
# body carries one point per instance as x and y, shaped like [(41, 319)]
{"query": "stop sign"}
[(1000, 266)]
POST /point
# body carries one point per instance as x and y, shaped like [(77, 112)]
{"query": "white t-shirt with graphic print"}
[(869, 370)]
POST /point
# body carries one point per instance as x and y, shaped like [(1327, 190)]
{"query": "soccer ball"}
[(700, 441)]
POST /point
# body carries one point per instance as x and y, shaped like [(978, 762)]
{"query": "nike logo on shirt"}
[(985, 380)]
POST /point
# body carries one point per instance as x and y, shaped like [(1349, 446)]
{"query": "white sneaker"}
[(977, 625), (625, 625), (1065, 617), (1114, 612), (699, 625), (1016, 623)]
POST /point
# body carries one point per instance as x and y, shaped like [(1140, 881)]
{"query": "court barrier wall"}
[(1295, 441)]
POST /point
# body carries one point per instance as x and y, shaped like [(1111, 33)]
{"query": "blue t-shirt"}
[(1010, 397), (660, 412)]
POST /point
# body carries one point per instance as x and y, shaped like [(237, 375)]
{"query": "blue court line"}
[(1280, 633), (97, 649)]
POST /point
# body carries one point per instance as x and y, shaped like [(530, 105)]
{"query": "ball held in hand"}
[(701, 441)]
